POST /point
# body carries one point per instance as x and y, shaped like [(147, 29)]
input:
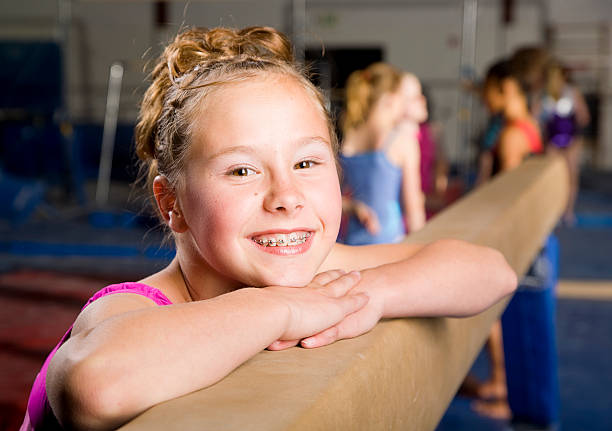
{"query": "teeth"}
[(284, 240)]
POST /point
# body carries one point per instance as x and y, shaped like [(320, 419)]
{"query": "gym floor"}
[(43, 286)]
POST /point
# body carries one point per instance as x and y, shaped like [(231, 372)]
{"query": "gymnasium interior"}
[(74, 217)]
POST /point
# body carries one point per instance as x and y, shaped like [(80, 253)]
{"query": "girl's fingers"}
[(283, 344), (352, 326), (342, 284), (321, 339), (372, 224), (352, 303), (328, 276)]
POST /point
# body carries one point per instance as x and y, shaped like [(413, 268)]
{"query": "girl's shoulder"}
[(39, 412), (518, 139), (511, 134), (115, 299), (137, 288), (403, 146)]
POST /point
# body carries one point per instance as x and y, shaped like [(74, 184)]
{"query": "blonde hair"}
[(555, 80), (364, 88), (196, 62)]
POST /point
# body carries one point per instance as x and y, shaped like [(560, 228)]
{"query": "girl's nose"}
[(284, 196)]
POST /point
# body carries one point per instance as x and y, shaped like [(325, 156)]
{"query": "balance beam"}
[(401, 375)]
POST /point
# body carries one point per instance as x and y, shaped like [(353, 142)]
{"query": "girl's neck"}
[(182, 281), (517, 113), (522, 116), (409, 125), (372, 135)]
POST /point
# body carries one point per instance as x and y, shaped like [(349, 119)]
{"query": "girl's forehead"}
[(268, 90), (275, 105)]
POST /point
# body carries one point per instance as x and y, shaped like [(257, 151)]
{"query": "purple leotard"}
[(39, 415), (559, 118)]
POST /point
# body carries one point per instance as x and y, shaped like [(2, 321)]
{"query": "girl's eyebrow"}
[(251, 150), (232, 149), (314, 140)]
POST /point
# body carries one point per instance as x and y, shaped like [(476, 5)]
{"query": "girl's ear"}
[(387, 100), (388, 107), (510, 87), (168, 205)]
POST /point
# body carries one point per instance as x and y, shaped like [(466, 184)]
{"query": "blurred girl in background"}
[(380, 161), (563, 113)]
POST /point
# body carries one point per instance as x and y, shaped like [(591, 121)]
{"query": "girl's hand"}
[(353, 325), (363, 212), (325, 302), (367, 217)]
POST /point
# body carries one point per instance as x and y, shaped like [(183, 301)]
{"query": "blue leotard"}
[(372, 179)]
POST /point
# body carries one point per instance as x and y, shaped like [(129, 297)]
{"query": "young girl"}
[(517, 138), (493, 100), (520, 135), (418, 174), (380, 160), (564, 113), (241, 159)]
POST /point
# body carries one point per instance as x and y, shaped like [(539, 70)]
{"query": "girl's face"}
[(387, 110), (415, 106), (261, 196), (493, 96)]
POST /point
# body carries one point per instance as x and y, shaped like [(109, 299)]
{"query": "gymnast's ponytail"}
[(364, 88)]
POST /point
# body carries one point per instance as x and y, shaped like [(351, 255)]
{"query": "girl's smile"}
[(284, 243)]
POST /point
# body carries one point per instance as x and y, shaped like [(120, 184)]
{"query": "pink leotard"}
[(39, 415), (428, 154)]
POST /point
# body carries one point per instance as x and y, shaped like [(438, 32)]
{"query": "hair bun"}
[(200, 46), (266, 42)]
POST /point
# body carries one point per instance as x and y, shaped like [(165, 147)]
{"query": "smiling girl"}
[(242, 164)]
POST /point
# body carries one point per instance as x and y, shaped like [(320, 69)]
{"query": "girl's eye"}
[(305, 164), (242, 172)]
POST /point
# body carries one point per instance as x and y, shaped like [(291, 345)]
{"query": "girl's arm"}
[(367, 256), (583, 117), (444, 278), (413, 200), (125, 354)]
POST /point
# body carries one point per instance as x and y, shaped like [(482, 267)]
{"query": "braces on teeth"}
[(280, 242)]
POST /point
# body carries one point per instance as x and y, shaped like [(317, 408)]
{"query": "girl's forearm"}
[(444, 278), (415, 212), (135, 360)]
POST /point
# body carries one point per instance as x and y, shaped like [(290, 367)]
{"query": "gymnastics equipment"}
[(110, 129), (402, 374)]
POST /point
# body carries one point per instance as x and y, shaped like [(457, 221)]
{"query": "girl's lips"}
[(284, 243), (280, 231), (282, 240)]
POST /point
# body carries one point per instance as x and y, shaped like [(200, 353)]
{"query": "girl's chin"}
[(284, 281)]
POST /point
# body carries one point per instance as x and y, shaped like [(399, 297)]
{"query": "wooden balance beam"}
[(403, 374)]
